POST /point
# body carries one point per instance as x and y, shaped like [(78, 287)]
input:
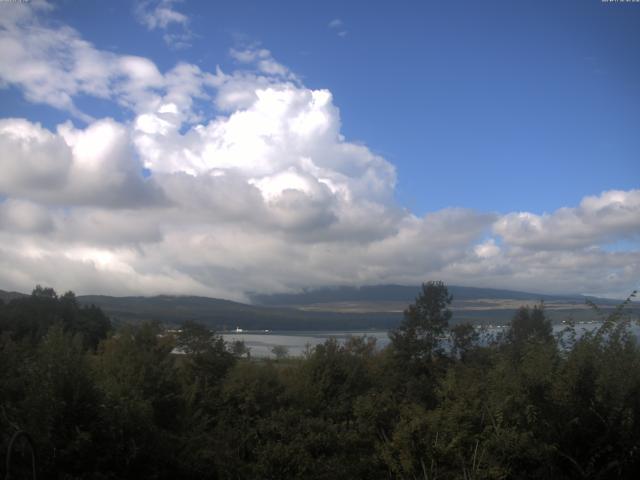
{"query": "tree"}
[(44, 292), (464, 336), (425, 321), (280, 351), (416, 359), (194, 338), (530, 326), (203, 367), (136, 373), (206, 349), (61, 405), (30, 317), (240, 349)]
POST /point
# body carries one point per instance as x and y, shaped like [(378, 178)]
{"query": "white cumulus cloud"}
[(265, 194), (598, 219)]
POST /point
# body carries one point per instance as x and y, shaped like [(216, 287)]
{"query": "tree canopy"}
[(142, 402)]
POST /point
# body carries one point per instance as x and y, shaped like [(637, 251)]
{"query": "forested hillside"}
[(100, 402), (377, 307), (403, 293), (224, 314)]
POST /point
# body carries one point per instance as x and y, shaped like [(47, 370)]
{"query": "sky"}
[(223, 148)]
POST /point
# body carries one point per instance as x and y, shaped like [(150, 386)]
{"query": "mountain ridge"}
[(395, 292), (338, 308)]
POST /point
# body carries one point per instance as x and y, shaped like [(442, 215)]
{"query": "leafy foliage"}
[(438, 403), (425, 321)]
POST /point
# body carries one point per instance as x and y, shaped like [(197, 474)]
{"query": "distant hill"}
[(226, 315), (8, 296), (400, 293), (342, 308), (470, 304), (407, 294)]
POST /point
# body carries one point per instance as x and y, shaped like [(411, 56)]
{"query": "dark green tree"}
[(30, 317), (207, 358), (417, 358), (419, 335), (135, 372), (280, 352), (463, 339), (61, 405), (530, 325)]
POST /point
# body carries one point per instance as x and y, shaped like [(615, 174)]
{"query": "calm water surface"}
[(297, 342)]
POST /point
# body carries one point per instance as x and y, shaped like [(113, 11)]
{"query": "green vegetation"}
[(105, 403)]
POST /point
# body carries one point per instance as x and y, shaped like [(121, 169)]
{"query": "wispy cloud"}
[(337, 25), (263, 61), (54, 65), (162, 15)]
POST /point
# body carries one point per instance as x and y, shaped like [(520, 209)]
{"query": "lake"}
[(297, 342)]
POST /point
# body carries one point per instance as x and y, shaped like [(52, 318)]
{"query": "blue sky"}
[(478, 104), (312, 143)]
